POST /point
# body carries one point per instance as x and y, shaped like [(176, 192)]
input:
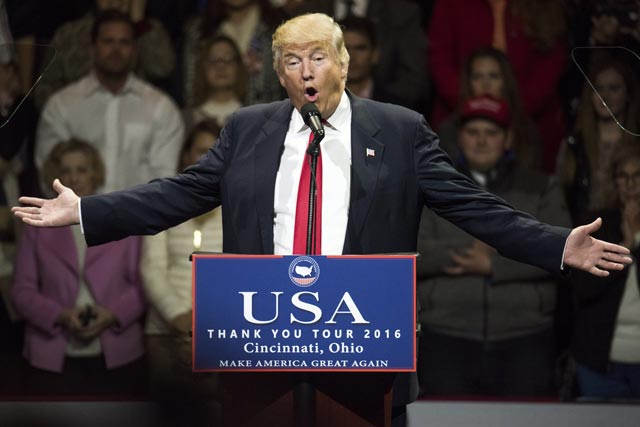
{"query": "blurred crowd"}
[(536, 101)]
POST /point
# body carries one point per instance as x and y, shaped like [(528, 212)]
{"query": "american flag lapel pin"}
[(370, 152)]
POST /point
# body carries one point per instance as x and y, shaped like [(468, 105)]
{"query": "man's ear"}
[(344, 70), (375, 56)]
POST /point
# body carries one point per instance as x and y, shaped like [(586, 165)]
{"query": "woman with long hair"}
[(583, 162), (487, 71), (220, 84), (249, 23)]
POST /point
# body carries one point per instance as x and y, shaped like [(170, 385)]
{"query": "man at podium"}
[(379, 165)]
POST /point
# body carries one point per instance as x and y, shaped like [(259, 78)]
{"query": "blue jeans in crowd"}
[(622, 380)]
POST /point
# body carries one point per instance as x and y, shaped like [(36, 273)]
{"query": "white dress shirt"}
[(138, 131), (336, 180)]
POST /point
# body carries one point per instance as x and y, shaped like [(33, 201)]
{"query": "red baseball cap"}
[(486, 107)]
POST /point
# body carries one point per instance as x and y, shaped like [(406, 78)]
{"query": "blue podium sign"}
[(304, 313)]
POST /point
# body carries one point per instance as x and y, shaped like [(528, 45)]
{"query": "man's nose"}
[(307, 72)]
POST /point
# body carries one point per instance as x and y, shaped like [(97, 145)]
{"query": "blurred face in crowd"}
[(238, 4), (312, 73), (628, 181), (114, 50), (486, 78), (221, 66), (202, 142), (121, 5), (9, 82), (483, 143), (363, 56), (613, 90), (77, 173)]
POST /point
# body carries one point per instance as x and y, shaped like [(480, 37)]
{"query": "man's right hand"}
[(58, 212)]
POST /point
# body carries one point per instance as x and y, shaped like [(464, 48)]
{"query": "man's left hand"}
[(592, 255)]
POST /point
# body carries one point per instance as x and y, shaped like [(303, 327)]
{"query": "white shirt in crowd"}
[(138, 131)]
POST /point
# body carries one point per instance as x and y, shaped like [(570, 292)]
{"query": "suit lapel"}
[(268, 150), (366, 158)]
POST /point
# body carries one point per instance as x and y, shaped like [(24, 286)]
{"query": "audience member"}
[(166, 275), (487, 321), (220, 83), (606, 341), (249, 23), (82, 306), (360, 41), (135, 127), (597, 27), (583, 161), (531, 34), (16, 173), (400, 73), (19, 25), (155, 57), (17, 119), (14, 135), (487, 71)]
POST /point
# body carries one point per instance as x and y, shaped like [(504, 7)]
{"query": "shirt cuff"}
[(564, 250), (80, 215)]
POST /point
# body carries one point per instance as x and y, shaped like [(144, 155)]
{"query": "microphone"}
[(313, 119)]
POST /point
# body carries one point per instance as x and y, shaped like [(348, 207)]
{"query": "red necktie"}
[(302, 208)]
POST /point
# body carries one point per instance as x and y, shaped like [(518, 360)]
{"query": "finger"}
[(593, 227), (458, 259), (35, 201), (58, 187), (453, 270), (610, 265), (614, 257), (25, 210), (34, 222), (598, 272), (615, 249)]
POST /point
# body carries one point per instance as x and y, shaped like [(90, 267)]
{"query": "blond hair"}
[(311, 28)]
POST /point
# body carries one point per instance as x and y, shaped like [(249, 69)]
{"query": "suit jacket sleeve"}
[(551, 209)]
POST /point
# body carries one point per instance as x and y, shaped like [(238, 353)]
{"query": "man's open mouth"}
[(311, 94)]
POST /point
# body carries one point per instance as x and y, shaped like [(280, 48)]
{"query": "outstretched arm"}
[(592, 255), (58, 212)]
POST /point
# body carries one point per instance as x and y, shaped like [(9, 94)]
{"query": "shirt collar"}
[(340, 120)]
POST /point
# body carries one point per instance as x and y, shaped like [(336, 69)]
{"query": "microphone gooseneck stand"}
[(313, 151), (304, 392)]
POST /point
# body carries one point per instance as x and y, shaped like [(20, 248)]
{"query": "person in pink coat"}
[(83, 307)]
